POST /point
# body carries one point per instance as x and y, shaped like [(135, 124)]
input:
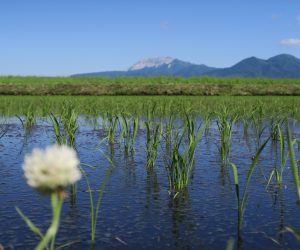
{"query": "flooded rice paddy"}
[(142, 206)]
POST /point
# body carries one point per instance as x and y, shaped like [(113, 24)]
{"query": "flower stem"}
[(56, 202)]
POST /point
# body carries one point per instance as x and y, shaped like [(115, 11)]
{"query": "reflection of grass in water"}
[(3, 129)]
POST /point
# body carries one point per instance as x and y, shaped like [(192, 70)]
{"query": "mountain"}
[(280, 66), (159, 66)]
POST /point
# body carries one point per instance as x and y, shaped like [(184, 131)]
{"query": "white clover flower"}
[(51, 169)]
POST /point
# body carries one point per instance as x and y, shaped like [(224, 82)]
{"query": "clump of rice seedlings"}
[(65, 165), (69, 120), (243, 200), (58, 130), (153, 139), (181, 164), (278, 173), (225, 125), (275, 125), (169, 134), (29, 120), (129, 132), (294, 166), (65, 127), (257, 120), (112, 126)]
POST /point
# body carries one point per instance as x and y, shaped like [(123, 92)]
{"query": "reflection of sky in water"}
[(136, 206)]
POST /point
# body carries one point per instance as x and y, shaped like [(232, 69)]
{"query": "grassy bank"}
[(147, 86)]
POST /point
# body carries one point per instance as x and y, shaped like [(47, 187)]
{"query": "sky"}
[(63, 37)]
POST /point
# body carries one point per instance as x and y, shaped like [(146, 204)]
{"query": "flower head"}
[(51, 169)]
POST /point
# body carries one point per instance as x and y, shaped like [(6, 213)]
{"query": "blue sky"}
[(62, 37)]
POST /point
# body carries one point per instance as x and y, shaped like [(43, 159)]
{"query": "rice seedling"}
[(257, 120), (69, 120), (152, 142), (294, 166), (278, 173), (180, 166), (225, 125), (58, 130), (275, 125), (29, 119), (112, 126), (129, 132), (169, 133), (153, 138), (243, 200), (95, 208)]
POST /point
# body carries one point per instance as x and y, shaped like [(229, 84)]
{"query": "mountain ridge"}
[(279, 66)]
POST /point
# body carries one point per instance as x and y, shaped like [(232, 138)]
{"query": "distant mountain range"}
[(280, 66)]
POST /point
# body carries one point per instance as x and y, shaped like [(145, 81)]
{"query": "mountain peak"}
[(283, 57), (151, 62)]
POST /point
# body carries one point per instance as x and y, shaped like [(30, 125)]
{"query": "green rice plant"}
[(129, 132), (275, 125), (95, 208), (58, 130), (168, 134), (243, 200), (180, 166), (153, 139), (294, 166), (69, 120), (29, 120), (278, 173), (257, 119), (225, 125), (112, 126)]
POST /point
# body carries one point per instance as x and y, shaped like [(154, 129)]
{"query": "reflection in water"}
[(182, 219), (129, 169), (152, 187)]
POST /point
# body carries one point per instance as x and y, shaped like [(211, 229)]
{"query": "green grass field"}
[(14, 85)]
